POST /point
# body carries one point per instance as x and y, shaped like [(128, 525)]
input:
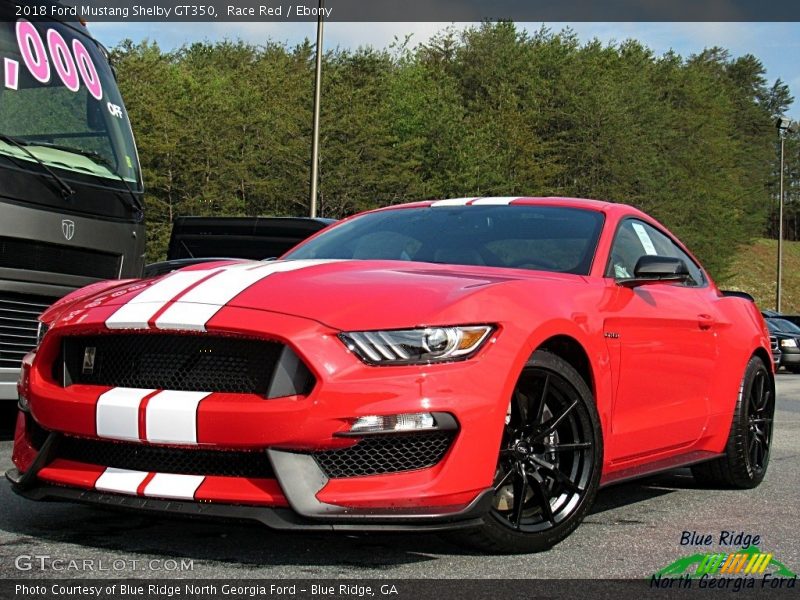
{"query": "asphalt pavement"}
[(633, 530)]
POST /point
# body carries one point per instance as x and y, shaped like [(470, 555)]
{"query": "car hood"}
[(785, 335), (342, 294)]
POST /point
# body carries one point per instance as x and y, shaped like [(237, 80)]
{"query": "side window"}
[(635, 239)]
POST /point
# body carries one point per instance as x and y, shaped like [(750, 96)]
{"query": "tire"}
[(550, 456), (746, 457)]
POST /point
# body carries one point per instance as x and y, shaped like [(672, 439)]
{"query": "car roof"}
[(583, 203)]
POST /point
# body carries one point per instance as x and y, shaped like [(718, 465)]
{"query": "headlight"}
[(416, 346), (41, 332), (789, 343)]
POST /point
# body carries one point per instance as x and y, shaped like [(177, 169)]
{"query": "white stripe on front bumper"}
[(122, 481), (117, 413), (171, 417), (171, 485)]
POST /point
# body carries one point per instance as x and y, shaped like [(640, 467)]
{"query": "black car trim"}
[(43, 458), (274, 518)]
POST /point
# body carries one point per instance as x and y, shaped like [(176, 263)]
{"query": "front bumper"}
[(791, 358), (277, 518), (285, 493), (291, 431)]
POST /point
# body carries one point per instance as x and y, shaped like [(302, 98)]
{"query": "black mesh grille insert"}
[(54, 258), (160, 459), (389, 454), (198, 363)]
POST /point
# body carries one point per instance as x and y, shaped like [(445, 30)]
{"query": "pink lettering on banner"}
[(33, 52), (88, 72), (72, 66), (62, 60), (11, 73)]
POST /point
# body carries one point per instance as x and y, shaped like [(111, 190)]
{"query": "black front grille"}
[(55, 258), (19, 315), (160, 459), (198, 363), (385, 454), (773, 342)]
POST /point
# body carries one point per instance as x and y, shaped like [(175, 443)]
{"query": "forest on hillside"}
[(225, 129)]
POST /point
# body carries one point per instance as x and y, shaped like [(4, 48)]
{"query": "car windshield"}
[(549, 238), (784, 325), (60, 101)]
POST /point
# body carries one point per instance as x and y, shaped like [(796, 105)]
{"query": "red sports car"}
[(481, 365)]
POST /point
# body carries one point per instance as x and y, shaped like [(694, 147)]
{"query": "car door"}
[(662, 335)]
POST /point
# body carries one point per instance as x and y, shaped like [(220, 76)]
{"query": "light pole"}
[(784, 125), (315, 126)]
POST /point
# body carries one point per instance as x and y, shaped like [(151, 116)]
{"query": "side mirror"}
[(657, 269)]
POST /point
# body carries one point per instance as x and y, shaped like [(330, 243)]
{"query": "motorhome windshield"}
[(60, 100)]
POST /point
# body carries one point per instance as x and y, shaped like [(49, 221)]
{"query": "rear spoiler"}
[(168, 266), (734, 294), (255, 238)]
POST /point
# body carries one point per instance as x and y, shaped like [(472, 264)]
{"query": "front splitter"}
[(274, 518)]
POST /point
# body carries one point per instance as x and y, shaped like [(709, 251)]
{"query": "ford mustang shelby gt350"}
[(477, 364)]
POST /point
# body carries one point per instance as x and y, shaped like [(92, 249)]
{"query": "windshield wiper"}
[(99, 159), (66, 191)]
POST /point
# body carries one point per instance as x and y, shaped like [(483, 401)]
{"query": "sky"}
[(776, 44)]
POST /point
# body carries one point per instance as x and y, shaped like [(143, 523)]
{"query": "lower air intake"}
[(385, 454), (160, 459)]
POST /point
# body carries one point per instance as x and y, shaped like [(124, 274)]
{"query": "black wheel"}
[(746, 457), (548, 469)]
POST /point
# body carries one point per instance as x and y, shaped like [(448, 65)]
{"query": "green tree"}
[(225, 129)]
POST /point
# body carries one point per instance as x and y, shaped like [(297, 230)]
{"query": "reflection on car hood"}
[(342, 294)]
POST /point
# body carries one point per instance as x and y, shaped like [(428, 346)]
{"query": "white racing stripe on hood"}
[(193, 310), (136, 312)]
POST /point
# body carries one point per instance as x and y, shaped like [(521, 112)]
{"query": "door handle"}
[(706, 322)]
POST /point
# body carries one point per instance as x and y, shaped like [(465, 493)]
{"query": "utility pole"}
[(315, 126), (780, 233), (784, 126)]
